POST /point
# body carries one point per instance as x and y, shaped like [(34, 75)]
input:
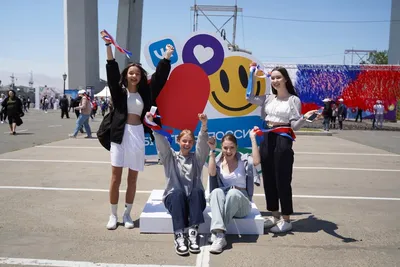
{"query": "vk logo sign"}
[(157, 51)]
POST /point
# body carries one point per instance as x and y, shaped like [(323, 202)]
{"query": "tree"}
[(379, 57)]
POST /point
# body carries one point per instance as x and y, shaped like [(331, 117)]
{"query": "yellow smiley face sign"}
[(228, 87)]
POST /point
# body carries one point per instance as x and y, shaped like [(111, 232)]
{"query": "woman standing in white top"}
[(282, 114), (232, 178)]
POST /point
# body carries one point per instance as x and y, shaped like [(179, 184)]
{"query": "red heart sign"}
[(183, 97)]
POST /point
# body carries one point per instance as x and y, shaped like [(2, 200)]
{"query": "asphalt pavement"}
[(54, 205)]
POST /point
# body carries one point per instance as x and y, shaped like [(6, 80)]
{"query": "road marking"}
[(52, 126), (340, 197), (347, 154), (71, 147), (65, 189), (149, 192), (58, 263), (346, 169), (18, 131), (56, 161), (203, 258), (296, 153), (108, 162)]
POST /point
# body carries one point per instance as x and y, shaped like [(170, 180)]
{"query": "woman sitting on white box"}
[(184, 193), (232, 179)]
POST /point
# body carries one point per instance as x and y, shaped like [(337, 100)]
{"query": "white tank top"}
[(278, 111), (135, 103), (237, 177)]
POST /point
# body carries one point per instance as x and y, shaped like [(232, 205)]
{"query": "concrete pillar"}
[(129, 30), (81, 37), (394, 39)]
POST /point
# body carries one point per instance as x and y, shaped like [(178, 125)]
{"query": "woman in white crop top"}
[(231, 178), (132, 97), (281, 109)]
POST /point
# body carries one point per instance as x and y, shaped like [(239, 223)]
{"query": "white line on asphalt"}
[(56, 161), (71, 147), (65, 189), (149, 192), (346, 169), (297, 152), (19, 131), (57, 125), (340, 197), (203, 258), (107, 162), (58, 263), (347, 154)]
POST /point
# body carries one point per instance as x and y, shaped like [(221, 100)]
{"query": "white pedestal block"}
[(156, 219)]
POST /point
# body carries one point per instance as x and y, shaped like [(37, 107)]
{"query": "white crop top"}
[(237, 177), (278, 111), (135, 103)]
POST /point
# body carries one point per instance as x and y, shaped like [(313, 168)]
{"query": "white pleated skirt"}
[(131, 152)]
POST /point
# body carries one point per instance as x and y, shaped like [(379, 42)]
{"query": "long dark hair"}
[(142, 89), (143, 76), (289, 84), (14, 95)]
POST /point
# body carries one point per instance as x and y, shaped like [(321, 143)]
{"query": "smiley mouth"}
[(214, 95)]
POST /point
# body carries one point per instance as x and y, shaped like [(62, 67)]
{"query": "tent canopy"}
[(104, 93)]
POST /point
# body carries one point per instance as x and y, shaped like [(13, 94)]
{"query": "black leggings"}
[(277, 159)]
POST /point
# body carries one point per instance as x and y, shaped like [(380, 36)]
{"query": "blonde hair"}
[(184, 132)]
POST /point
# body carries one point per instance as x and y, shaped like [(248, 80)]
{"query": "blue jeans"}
[(83, 120), (186, 210), (326, 123)]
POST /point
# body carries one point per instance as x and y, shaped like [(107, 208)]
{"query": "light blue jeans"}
[(83, 120), (224, 207)]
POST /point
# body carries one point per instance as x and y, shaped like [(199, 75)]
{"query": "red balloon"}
[(183, 97)]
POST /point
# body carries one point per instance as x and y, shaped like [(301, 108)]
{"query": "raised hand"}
[(169, 50), (212, 143), (203, 118), (253, 132), (103, 36)]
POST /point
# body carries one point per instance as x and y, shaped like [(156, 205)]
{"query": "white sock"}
[(128, 208), (179, 231), (114, 208)]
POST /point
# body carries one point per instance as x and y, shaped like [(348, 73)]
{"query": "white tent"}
[(104, 93)]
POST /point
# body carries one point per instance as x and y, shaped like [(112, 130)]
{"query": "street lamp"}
[(64, 78)]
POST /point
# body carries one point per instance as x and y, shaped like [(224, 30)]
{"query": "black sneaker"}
[(181, 247), (193, 245)]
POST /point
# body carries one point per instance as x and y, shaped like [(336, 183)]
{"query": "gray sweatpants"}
[(224, 207)]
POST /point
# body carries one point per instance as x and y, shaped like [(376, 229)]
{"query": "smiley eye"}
[(243, 77), (223, 77)]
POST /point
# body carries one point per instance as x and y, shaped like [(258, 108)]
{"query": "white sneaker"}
[(281, 227), (192, 240), (128, 223), (218, 244), (212, 238), (112, 222), (270, 221), (181, 246)]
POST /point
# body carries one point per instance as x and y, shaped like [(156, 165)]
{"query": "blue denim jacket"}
[(252, 176)]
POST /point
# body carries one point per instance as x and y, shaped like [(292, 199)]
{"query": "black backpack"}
[(104, 131)]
